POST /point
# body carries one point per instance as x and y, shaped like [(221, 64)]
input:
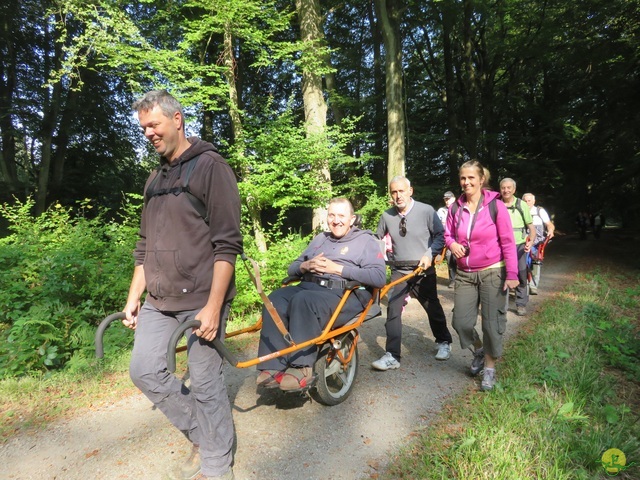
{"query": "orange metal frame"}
[(328, 333)]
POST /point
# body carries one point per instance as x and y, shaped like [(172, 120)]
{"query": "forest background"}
[(307, 100)]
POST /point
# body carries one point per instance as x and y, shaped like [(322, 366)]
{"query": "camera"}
[(466, 251)]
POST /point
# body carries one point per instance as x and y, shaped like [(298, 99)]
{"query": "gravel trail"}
[(284, 437)]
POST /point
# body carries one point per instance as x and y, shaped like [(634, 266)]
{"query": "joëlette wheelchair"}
[(336, 366)]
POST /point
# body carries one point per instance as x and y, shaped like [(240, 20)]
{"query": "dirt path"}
[(284, 437)]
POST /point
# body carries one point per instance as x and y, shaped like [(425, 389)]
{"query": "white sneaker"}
[(386, 362), (444, 351)]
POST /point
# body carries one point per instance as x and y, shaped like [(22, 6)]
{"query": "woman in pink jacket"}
[(480, 236)]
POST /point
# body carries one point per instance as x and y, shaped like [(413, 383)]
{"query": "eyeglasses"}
[(403, 226)]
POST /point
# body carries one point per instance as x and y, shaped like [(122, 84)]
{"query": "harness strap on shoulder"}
[(197, 204), (493, 211)]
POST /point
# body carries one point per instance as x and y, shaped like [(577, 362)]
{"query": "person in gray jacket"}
[(417, 236), (185, 259), (331, 259)]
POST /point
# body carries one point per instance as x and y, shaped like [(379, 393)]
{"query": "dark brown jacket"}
[(176, 246)]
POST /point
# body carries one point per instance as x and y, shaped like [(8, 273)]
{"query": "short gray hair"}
[(508, 180), (400, 178), (161, 98), (343, 200)]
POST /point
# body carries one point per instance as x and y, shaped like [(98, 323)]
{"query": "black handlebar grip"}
[(177, 335), (102, 327)]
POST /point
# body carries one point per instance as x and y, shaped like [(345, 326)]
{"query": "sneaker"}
[(477, 364), (191, 466), (386, 362), (521, 311), (489, 379), (533, 290), (444, 351), (226, 476)]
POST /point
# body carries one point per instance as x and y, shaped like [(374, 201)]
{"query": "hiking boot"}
[(477, 364), (295, 379), (191, 466), (386, 362), (489, 379), (226, 476), (521, 311), (444, 351)]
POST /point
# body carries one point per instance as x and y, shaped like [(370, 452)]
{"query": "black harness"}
[(153, 191)]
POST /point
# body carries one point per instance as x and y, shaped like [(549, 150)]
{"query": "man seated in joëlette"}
[(333, 258)]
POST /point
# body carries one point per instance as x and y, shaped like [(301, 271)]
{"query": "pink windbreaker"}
[(490, 242)]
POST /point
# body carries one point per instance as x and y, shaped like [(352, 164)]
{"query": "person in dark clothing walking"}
[(185, 261)]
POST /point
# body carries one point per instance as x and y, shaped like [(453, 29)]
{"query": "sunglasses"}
[(403, 226)]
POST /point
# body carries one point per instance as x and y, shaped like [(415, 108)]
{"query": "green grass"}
[(568, 391)]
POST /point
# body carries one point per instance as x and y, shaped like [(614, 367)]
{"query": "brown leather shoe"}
[(225, 476), (191, 466), (295, 379)]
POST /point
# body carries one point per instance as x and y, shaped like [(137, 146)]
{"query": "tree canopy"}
[(541, 91)]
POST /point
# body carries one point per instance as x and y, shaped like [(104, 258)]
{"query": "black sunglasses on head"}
[(403, 226)]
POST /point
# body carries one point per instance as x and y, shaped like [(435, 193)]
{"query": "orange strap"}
[(255, 278)]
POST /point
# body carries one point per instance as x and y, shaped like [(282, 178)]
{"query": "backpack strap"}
[(518, 207), (493, 211), (197, 204)]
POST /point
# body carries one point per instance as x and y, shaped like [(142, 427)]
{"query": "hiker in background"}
[(544, 229), (449, 199), (597, 224), (185, 260), (582, 222), (480, 236), (524, 235)]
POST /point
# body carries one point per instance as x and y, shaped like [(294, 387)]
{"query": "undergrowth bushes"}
[(61, 273)]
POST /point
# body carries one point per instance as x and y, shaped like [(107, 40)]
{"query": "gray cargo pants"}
[(484, 290), (202, 411)]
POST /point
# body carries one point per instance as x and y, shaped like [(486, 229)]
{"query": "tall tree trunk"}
[(62, 138), (469, 85), (8, 62), (453, 126), (253, 206), (389, 16), (50, 109), (379, 169), (315, 108)]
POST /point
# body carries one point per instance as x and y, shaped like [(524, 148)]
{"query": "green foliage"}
[(556, 408), (372, 210), (273, 269), (61, 274)]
